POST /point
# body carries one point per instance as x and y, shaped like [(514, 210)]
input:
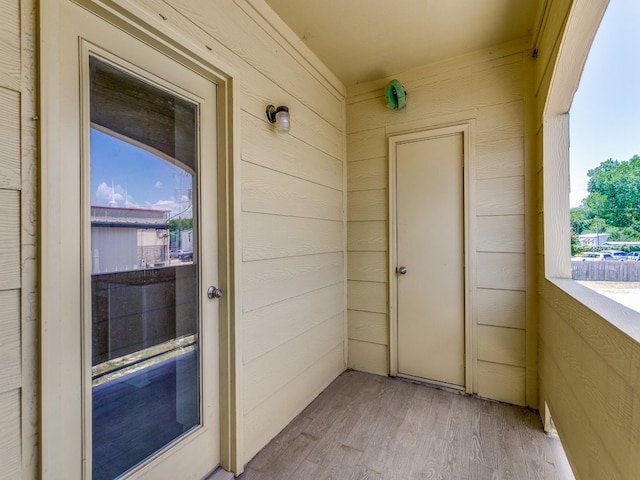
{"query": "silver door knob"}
[(214, 292), (402, 270)]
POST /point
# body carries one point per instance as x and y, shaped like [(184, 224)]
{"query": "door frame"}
[(466, 129), (61, 456)]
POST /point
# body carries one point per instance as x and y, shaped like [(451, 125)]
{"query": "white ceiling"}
[(362, 40)]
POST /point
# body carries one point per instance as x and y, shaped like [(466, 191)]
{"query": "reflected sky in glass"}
[(125, 175)]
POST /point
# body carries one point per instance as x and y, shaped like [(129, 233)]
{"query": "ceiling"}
[(362, 40)]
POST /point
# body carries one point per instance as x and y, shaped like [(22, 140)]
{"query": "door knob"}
[(214, 292), (402, 270)]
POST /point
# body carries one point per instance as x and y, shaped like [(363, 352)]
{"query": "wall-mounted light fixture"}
[(279, 116)]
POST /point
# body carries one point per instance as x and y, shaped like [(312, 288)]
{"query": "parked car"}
[(186, 256), (633, 257), (182, 255), (617, 254), (594, 257)]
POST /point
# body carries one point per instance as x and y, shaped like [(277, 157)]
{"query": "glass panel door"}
[(146, 373)]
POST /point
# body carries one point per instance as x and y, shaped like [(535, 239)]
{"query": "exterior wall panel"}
[(18, 224), (588, 346), (292, 212), (10, 450), (10, 134), (588, 369), (10, 351), (10, 53), (486, 89)]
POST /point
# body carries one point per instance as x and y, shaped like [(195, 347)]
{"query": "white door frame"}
[(466, 130), (61, 449)]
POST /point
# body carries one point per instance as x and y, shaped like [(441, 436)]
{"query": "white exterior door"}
[(138, 153), (429, 214)]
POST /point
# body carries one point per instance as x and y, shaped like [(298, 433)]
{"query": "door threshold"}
[(220, 474), (434, 383)]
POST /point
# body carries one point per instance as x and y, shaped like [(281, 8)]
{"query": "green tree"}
[(182, 224), (177, 225), (613, 203), (580, 220), (614, 192)]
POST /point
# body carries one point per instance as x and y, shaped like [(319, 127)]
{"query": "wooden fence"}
[(607, 271)]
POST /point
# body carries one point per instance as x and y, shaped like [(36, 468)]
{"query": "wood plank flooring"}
[(369, 427)]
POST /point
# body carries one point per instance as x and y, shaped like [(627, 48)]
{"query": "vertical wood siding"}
[(487, 89), (588, 367)]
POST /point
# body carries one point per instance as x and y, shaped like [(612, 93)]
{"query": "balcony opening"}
[(605, 161)]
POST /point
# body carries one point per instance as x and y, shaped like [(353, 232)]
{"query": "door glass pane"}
[(144, 269)]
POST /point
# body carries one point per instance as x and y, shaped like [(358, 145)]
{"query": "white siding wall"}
[(588, 367), (18, 320), (486, 89)]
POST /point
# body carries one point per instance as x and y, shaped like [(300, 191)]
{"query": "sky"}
[(133, 177), (604, 119)]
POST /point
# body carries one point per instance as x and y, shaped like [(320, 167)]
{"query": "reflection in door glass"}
[(144, 269)]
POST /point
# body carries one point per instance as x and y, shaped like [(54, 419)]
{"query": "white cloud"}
[(182, 208), (159, 184), (105, 192), (163, 204)]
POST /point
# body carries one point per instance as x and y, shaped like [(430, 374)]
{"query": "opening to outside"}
[(605, 160)]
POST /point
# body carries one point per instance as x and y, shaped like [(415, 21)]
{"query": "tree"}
[(177, 225), (580, 220), (614, 192), (181, 224), (613, 203)]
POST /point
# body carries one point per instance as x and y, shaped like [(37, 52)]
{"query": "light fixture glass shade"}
[(282, 120)]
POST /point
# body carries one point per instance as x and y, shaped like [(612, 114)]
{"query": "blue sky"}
[(134, 177), (605, 114)]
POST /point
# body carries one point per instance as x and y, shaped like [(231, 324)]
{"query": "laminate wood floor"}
[(370, 427)]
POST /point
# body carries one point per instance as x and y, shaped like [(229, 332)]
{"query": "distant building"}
[(128, 238), (593, 239)]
